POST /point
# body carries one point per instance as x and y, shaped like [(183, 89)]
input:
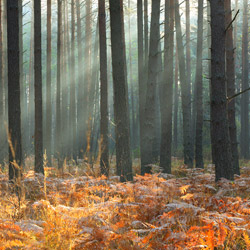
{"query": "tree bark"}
[(150, 103), (14, 102), (185, 93), (167, 89), (199, 90), (219, 121), (104, 161), (38, 89), (123, 154), (230, 77)]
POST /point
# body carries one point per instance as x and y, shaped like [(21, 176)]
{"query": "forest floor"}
[(185, 210)]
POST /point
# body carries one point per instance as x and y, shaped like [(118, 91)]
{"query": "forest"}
[(124, 124)]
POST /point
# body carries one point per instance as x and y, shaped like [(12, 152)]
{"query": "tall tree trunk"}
[(48, 137), (146, 47), (73, 84), (167, 89), (150, 103), (93, 89), (219, 120), (80, 96), (104, 161), (58, 146), (133, 127), (244, 142), (199, 90), (31, 114), (87, 116), (22, 86), (14, 102), (230, 77), (38, 89), (123, 154), (176, 103), (142, 85), (185, 93)]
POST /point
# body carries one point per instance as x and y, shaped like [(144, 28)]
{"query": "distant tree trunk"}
[(176, 103), (87, 77), (230, 77), (14, 102), (64, 84), (150, 103), (22, 85), (48, 87), (219, 120), (123, 154), (199, 90), (133, 126), (244, 142), (235, 30), (58, 84), (167, 89), (142, 85), (80, 96), (38, 89), (146, 47), (185, 93), (93, 88), (104, 161), (31, 84), (73, 84)]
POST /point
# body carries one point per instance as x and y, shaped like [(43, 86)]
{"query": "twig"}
[(237, 94), (232, 20)]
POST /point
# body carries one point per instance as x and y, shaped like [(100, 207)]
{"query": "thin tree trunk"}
[(48, 137), (133, 127), (38, 89), (150, 104), (123, 154), (244, 142), (2, 139), (87, 116), (142, 86), (167, 89), (73, 83), (31, 114), (199, 90), (176, 102), (230, 76), (80, 95), (58, 147), (219, 120), (146, 47), (185, 93), (14, 102), (104, 161)]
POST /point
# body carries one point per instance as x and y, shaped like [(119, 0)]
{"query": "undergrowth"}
[(79, 210)]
